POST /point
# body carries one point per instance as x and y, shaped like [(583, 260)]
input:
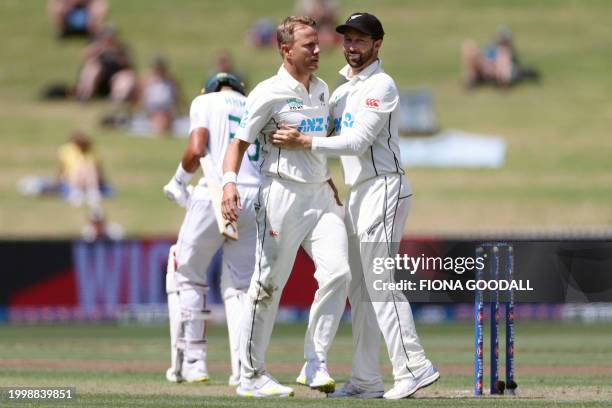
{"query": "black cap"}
[(365, 23)]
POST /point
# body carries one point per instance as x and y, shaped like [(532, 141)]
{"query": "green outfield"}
[(556, 364), (558, 169)]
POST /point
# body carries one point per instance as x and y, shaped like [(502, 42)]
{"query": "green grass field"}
[(556, 364), (558, 169)]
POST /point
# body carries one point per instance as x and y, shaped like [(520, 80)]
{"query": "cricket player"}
[(296, 207), (365, 111), (214, 119)]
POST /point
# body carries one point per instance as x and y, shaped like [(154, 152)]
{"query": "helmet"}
[(216, 81)]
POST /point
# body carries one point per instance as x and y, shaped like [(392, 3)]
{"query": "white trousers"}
[(291, 215), (198, 241), (376, 212)]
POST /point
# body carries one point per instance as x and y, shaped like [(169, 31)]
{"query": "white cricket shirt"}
[(220, 113), (278, 100), (365, 111)]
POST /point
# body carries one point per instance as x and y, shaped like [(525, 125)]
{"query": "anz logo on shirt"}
[(313, 125), (346, 121)]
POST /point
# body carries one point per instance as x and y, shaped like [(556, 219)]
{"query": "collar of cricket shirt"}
[(364, 74), (294, 83)]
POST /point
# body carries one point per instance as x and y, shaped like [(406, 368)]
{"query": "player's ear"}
[(377, 44), (285, 49)]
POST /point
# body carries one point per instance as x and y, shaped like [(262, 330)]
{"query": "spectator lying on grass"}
[(496, 63)]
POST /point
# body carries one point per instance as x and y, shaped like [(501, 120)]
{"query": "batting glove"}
[(177, 192)]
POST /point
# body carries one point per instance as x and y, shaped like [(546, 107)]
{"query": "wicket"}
[(495, 254)]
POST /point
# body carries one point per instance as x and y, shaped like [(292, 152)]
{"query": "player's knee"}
[(262, 292), (338, 276), (340, 268)]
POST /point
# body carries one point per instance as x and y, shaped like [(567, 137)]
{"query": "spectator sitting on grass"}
[(497, 63), (160, 96), (107, 69), (77, 17), (80, 178)]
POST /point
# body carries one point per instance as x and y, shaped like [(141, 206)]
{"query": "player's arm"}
[(230, 203), (196, 148), (351, 142), (176, 189), (372, 114)]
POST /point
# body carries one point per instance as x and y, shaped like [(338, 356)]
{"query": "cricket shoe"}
[(194, 371), (408, 386), (314, 374), (350, 390), (263, 385)]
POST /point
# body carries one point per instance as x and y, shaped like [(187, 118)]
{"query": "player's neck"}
[(357, 70), (302, 77)]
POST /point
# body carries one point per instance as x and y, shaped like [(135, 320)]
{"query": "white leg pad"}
[(187, 313), (192, 300), (174, 316)]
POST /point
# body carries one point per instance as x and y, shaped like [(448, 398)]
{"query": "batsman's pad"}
[(191, 340), (184, 313), (170, 270), (174, 316)]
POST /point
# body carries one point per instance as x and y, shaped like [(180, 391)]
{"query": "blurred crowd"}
[(325, 12), (152, 103), (147, 103)]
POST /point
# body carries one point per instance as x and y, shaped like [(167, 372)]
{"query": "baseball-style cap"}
[(365, 23)]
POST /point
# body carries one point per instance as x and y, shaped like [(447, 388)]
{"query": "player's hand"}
[(230, 203), (288, 137), (177, 192), (335, 190)]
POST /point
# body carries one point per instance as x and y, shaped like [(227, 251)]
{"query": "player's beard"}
[(358, 60)]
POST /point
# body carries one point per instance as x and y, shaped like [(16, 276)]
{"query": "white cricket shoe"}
[(350, 390), (194, 371), (408, 386), (234, 380), (263, 385), (314, 374)]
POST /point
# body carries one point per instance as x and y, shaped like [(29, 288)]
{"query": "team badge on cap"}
[(365, 23)]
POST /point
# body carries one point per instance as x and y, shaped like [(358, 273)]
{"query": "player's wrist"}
[(229, 177), (182, 175), (307, 142), (314, 143)]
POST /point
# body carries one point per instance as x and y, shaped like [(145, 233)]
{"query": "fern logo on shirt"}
[(295, 103)]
